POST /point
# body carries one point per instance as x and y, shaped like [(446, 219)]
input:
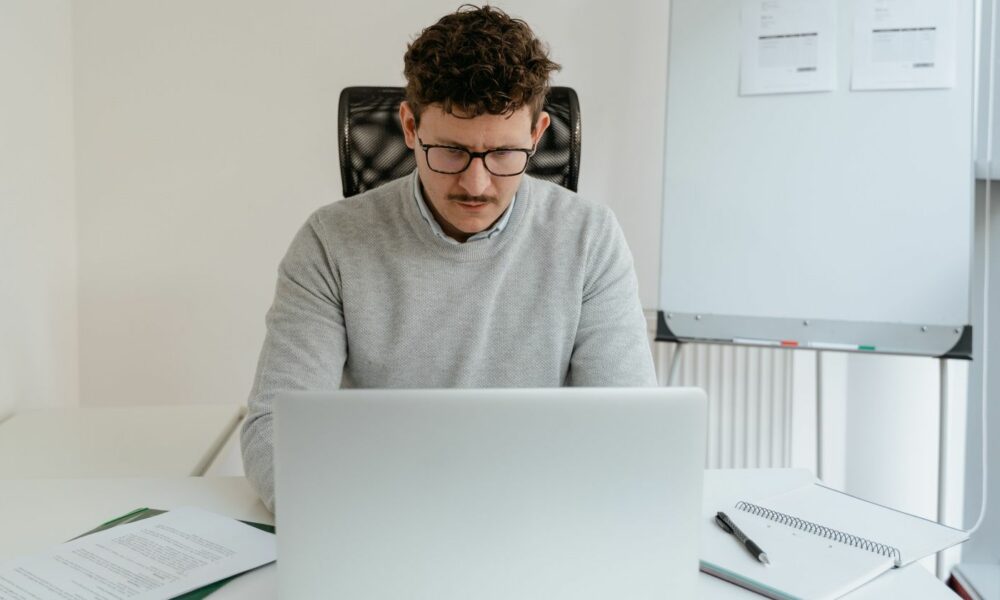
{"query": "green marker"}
[(836, 346)]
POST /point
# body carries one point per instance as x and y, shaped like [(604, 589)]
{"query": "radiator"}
[(749, 400)]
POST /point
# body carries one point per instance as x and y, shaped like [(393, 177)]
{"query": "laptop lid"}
[(489, 494)]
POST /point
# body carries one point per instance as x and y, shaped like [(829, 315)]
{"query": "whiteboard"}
[(832, 219)]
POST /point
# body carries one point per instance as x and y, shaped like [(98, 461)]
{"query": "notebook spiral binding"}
[(824, 532)]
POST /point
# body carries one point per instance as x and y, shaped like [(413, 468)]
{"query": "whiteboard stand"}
[(819, 415), (943, 441)]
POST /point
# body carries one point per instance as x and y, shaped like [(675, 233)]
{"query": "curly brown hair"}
[(476, 61)]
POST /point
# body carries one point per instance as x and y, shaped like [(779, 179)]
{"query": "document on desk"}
[(153, 559)]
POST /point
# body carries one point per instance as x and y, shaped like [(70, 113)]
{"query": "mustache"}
[(468, 198)]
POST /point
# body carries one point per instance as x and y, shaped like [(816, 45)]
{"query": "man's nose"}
[(476, 179)]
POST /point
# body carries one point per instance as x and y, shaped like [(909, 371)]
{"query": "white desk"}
[(140, 441), (37, 513)]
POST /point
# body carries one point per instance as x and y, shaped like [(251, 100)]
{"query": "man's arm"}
[(305, 347), (612, 347)]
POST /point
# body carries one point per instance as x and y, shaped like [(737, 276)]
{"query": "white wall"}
[(38, 304), (891, 427), (206, 134)]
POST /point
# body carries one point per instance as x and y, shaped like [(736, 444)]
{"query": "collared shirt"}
[(425, 212)]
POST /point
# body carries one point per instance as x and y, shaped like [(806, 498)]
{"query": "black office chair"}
[(372, 149)]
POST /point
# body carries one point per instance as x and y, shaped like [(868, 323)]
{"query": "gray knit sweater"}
[(368, 297)]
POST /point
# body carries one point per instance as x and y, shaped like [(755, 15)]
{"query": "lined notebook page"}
[(802, 565), (914, 537)]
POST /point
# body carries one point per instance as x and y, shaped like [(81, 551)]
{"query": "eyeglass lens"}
[(455, 160)]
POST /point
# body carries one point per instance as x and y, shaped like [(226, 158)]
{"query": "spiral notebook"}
[(822, 543)]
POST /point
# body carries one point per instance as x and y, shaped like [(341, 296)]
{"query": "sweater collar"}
[(425, 213), (445, 246)]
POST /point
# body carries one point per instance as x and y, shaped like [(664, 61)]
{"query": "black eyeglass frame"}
[(474, 155)]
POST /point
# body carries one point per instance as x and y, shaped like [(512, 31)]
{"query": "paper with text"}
[(904, 44), (153, 559), (788, 46)]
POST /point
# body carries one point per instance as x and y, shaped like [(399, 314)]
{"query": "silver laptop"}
[(552, 494)]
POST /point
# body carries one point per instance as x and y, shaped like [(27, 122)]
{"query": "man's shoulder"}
[(359, 214), (553, 203)]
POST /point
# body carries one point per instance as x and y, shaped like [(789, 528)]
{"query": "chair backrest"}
[(372, 150)]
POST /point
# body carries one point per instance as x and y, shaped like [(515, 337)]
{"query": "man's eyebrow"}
[(450, 142), (453, 143)]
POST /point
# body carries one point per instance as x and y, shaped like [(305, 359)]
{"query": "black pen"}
[(731, 527)]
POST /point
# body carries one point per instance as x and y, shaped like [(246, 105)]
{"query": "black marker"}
[(730, 527)]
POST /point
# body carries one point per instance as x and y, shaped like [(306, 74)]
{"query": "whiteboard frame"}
[(931, 330)]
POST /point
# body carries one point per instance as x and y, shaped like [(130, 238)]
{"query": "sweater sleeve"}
[(611, 346), (305, 347)]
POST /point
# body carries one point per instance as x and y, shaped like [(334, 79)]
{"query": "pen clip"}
[(721, 520)]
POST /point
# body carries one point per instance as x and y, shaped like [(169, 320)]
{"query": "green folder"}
[(144, 513)]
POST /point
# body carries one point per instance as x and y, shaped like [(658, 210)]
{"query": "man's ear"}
[(540, 126), (409, 122)]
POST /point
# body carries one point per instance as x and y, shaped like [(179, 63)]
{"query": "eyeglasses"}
[(450, 160)]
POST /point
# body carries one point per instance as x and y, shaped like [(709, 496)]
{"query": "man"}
[(466, 273)]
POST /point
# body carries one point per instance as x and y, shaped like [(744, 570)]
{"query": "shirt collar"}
[(425, 212)]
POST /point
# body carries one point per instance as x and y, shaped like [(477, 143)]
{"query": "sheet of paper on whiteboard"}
[(904, 44), (788, 46)]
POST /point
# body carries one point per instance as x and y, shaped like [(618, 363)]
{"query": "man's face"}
[(471, 201)]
